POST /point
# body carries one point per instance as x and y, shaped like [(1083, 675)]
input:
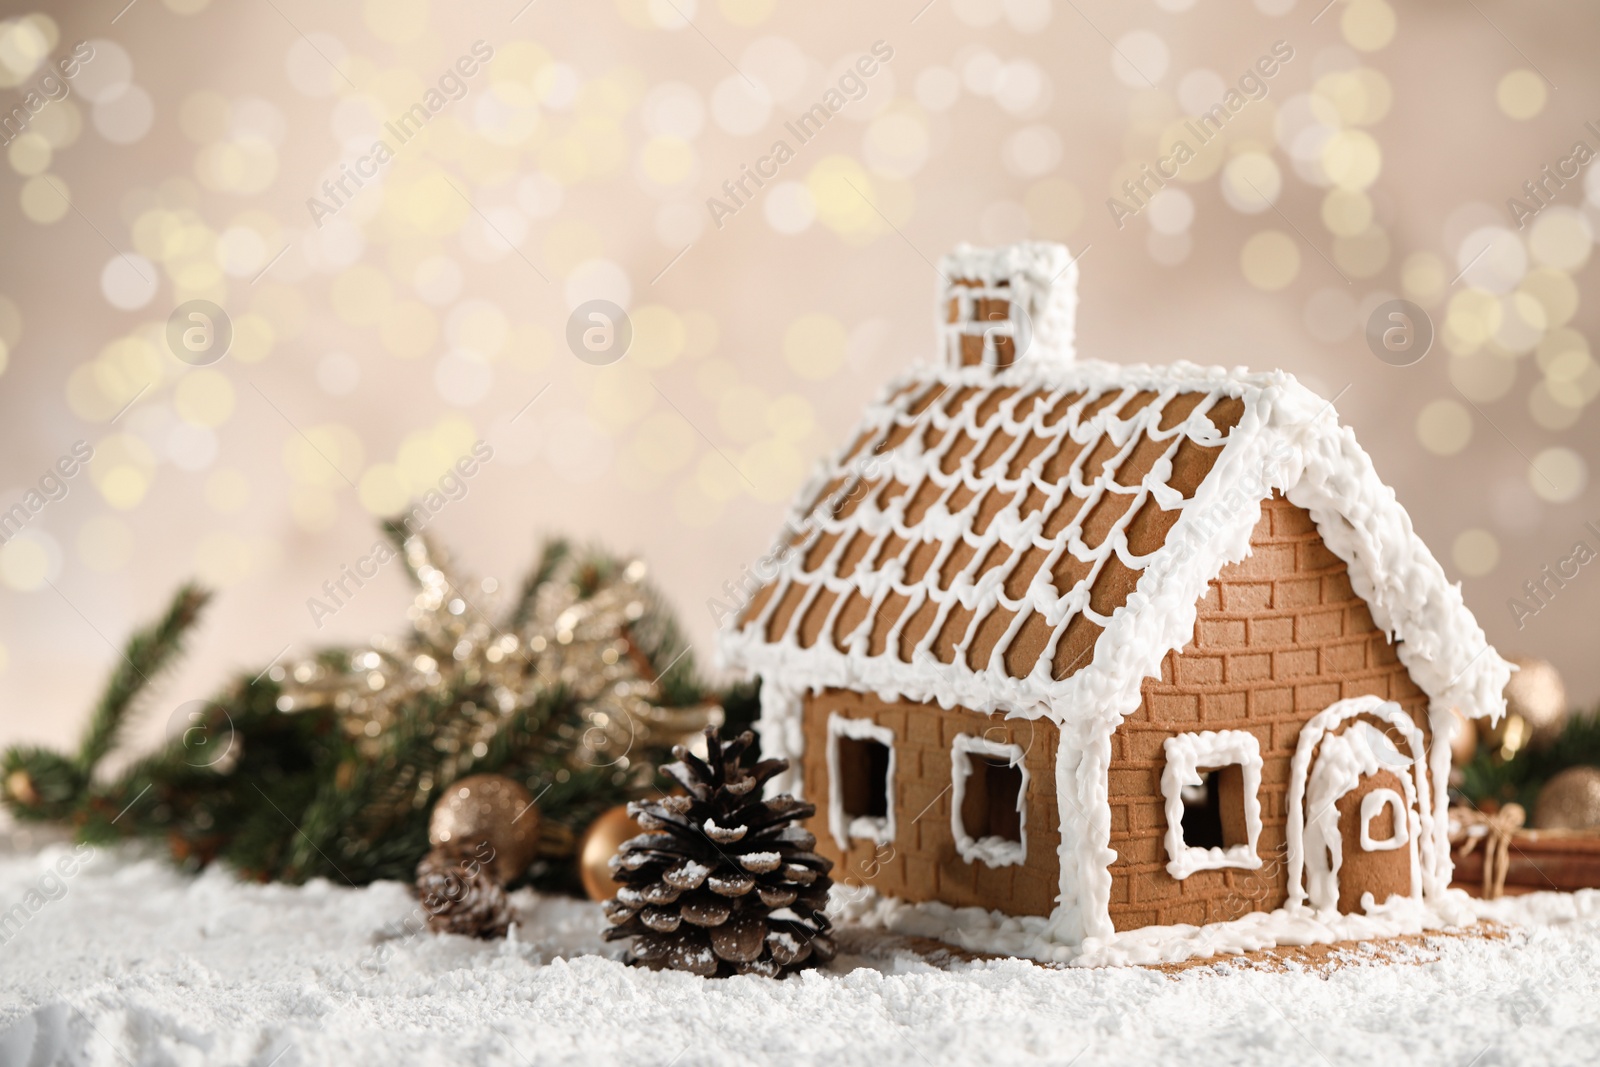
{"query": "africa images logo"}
[(1252, 85), (451, 86), (851, 86)]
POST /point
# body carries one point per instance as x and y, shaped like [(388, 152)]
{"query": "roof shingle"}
[(1030, 522)]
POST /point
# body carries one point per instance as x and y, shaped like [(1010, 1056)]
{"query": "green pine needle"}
[(147, 653), (1487, 777)]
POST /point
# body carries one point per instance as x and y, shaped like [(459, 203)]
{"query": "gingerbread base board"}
[(880, 946)]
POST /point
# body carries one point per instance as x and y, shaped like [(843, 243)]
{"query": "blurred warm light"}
[(374, 346)]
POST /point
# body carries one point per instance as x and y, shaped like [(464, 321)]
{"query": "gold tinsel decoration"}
[(581, 632)]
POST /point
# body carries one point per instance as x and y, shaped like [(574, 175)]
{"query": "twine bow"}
[(1497, 831)]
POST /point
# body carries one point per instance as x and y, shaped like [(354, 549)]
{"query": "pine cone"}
[(460, 894), (722, 882)]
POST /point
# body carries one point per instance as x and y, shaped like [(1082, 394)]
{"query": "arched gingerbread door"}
[(1358, 798), (1376, 842)]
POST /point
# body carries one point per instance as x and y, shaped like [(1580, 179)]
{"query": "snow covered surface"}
[(129, 961)]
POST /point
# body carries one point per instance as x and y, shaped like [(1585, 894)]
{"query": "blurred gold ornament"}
[(1536, 709), (1570, 801), (489, 808), (20, 787), (1464, 744), (600, 842), (1537, 694)]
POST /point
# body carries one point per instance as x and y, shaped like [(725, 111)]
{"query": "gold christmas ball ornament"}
[(600, 842), (1537, 694), (1536, 709), (19, 787), (1570, 801), (493, 809)]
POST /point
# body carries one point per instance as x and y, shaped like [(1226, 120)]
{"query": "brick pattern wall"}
[(922, 862), (1279, 637)]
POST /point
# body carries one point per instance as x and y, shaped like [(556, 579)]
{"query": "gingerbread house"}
[(1101, 662)]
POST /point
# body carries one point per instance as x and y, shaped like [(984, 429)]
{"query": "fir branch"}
[(299, 796), (394, 529), (551, 554), (379, 801), (658, 636), (147, 652), (1487, 777), (42, 784), (185, 786), (38, 783)]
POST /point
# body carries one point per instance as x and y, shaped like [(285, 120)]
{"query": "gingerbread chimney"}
[(1002, 306)]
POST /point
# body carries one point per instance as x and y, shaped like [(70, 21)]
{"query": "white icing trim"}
[(1374, 803), (872, 827), (1286, 440), (781, 728), (1315, 846), (993, 851), (1083, 761), (1186, 754), (1041, 290)]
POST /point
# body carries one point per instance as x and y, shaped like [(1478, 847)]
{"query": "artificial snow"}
[(128, 961)]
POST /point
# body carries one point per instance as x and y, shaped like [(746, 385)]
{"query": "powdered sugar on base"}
[(979, 930), (975, 929), (1274, 929)]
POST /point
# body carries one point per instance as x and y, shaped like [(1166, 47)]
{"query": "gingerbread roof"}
[(1014, 530)]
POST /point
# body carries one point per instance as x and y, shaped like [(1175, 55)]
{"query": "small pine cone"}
[(722, 882), (460, 894)]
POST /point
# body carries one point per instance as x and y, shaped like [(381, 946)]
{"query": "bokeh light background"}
[(372, 351)]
